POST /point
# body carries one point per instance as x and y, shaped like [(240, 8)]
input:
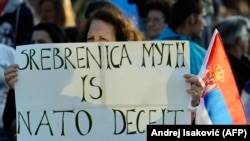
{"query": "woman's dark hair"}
[(56, 32), (182, 9), (97, 4), (163, 6), (124, 28)]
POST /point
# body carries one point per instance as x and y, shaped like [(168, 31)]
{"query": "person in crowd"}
[(16, 22), (44, 32), (157, 16), (93, 6), (186, 26), (140, 8), (54, 11), (6, 59), (236, 7), (246, 56), (212, 17), (61, 13), (47, 32), (234, 33), (13, 32)]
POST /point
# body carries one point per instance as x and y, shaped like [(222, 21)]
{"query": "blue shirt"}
[(197, 53)]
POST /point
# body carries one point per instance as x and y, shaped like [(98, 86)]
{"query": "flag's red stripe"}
[(228, 86)]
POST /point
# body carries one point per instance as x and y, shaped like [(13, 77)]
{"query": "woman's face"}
[(244, 46), (155, 23), (40, 36), (199, 25), (101, 31), (47, 12)]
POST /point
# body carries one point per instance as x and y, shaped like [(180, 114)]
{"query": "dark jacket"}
[(241, 71), (16, 26), (9, 113)]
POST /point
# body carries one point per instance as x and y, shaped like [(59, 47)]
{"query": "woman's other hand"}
[(10, 75)]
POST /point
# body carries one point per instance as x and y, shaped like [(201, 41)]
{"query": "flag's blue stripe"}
[(217, 108)]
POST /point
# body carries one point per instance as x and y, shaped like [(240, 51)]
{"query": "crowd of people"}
[(192, 20)]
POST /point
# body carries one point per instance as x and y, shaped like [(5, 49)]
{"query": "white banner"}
[(100, 91)]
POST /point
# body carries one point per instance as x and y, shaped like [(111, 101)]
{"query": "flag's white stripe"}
[(202, 116), (204, 64)]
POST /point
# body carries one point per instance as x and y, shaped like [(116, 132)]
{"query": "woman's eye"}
[(89, 39), (103, 39)]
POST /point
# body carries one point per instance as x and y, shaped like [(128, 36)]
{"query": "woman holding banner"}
[(106, 25)]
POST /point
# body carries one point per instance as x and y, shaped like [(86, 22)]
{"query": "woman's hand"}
[(10, 75), (196, 89)]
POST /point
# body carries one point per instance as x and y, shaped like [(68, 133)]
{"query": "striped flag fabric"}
[(221, 102)]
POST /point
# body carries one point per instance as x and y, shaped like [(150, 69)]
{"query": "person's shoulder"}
[(6, 48), (7, 54), (167, 34), (197, 49)]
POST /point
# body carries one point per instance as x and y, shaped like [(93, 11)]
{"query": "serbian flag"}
[(221, 102)]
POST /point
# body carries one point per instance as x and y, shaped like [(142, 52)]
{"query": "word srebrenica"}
[(106, 56)]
